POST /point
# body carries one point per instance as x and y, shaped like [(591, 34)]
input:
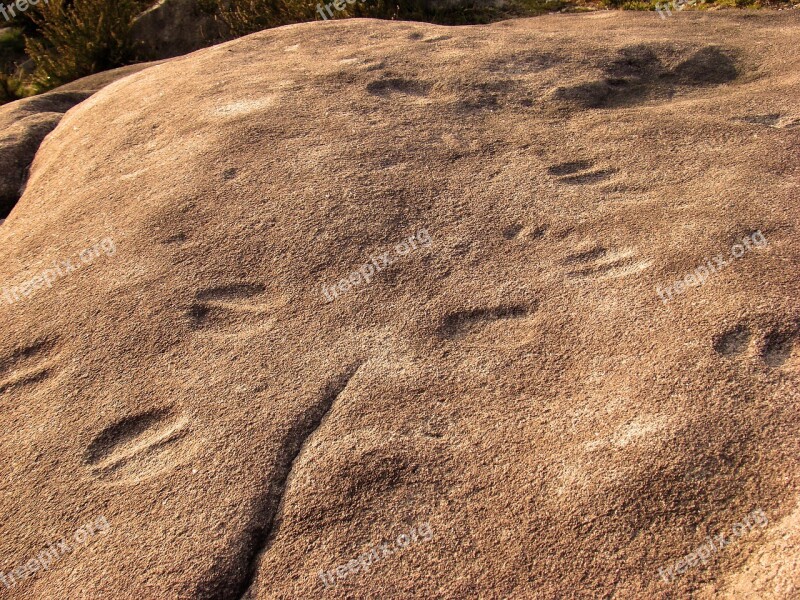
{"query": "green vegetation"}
[(11, 39), (247, 16), (68, 39), (12, 50), (78, 38)]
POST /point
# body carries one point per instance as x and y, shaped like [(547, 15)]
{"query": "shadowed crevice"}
[(234, 582)]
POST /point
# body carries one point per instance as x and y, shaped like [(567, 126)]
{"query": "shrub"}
[(11, 40), (637, 5), (247, 16), (78, 38), (12, 55), (9, 88)]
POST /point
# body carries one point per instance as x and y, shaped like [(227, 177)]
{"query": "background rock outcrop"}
[(25, 123), (174, 27)]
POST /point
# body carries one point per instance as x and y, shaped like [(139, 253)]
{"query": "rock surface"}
[(19, 140), (25, 123), (232, 408)]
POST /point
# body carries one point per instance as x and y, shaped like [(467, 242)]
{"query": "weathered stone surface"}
[(18, 144), (263, 378), (25, 123), (93, 83), (23, 126)]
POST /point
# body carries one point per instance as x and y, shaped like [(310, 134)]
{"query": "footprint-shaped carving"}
[(505, 325), (233, 308), (637, 74), (523, 232), (775, 120), (568, 168), (579, 172), (176, 238), (777, 347), (437, 38), (419, 37), (522, 63), (139, 446), (392, 85), (27, 365), (733, 342), (707, 66), (600, 263), (788, 123)]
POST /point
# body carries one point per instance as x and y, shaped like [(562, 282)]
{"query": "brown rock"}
[(346, 284), (25, 123)]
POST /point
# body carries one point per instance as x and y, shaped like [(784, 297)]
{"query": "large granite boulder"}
[(368, 309)]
